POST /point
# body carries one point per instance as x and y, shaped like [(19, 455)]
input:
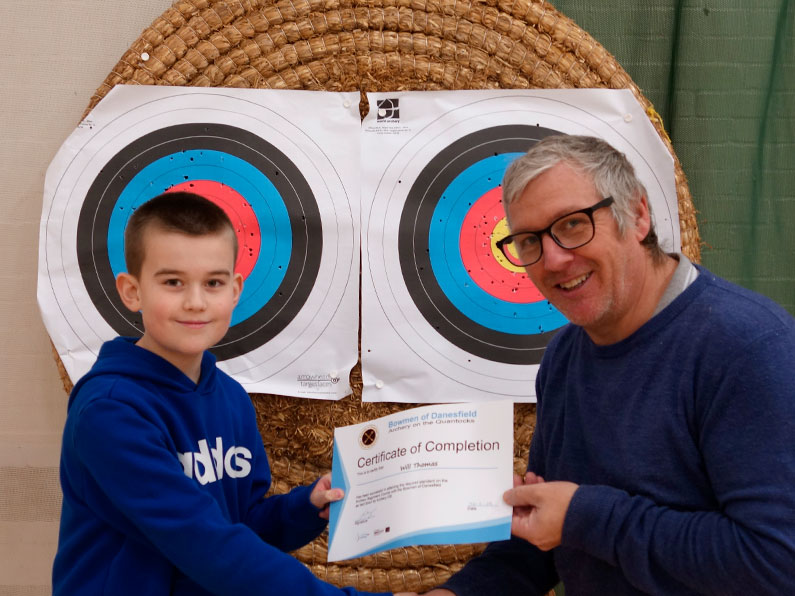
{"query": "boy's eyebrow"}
[(224, 272), (168, 272)]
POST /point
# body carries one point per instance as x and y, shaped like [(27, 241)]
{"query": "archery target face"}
[(290, 203), (432, 213), (448, 260)]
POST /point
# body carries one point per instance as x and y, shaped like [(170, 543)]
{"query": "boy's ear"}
[(237, 282), (129, 291)]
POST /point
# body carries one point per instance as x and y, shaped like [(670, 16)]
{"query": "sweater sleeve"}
[(127, 458), (509, 568), (746, 543), (287, 521)]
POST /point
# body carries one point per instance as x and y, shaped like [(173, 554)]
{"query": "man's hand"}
[(529, 478), (539, 509), (322, 494), (437, 592)]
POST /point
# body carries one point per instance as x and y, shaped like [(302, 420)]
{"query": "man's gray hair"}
[(608, 168)]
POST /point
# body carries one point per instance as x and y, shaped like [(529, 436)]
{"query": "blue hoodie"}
[(163, 483)]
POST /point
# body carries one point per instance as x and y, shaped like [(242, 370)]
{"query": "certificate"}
[(429, 475)]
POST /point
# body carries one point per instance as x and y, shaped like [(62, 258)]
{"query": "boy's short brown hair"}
[(181, 212)]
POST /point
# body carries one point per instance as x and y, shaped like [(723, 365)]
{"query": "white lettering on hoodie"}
[(209, 465)]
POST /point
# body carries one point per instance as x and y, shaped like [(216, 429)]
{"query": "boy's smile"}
[(186, 292)]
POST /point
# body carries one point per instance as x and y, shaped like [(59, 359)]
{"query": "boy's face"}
[(186, 292)]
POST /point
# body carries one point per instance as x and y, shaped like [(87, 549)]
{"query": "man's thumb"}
[(520, 496)]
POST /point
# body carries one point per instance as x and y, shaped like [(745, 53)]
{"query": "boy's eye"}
[(215, 283), (173, 282)]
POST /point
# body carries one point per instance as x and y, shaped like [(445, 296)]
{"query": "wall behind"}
[(722, 75), (53, 55)]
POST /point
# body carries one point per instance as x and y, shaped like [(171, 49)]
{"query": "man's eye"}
[(173, 282), (572, 223), (525, 242), (215, 283)]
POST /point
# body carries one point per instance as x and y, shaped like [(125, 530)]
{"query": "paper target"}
[(453, 317), (289, 191)]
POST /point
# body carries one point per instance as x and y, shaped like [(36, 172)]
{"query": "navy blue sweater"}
[(163, 484), (682, 438)]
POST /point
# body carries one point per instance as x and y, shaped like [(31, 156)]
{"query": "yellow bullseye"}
[(501, 230)]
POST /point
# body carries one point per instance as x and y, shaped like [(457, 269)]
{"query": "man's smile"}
[(573, 283)]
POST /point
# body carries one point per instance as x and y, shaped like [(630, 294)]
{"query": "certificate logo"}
[(368, 437)]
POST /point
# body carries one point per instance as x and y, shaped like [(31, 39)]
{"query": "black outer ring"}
[(414, 253), (101, 199)]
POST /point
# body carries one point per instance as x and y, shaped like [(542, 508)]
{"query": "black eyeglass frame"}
[(589, 211)]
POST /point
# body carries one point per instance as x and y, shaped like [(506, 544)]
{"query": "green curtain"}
[(721, 73)]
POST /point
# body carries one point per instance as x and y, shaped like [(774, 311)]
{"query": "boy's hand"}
[(323, 494)]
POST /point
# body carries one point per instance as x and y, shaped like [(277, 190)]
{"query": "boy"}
[(163, 469)]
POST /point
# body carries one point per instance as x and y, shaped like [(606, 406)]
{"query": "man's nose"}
[(555, 257)]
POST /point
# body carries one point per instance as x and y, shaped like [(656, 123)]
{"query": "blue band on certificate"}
[(479, 532), (339, 476)]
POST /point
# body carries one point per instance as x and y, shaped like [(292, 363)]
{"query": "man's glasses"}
[(570, 231)]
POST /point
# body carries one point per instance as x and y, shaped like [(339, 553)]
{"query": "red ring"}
[(239, 211), (479, 258)]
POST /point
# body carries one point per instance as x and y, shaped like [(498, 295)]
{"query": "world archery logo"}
[(388, 109)]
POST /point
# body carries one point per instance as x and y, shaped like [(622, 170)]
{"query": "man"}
[(663, 459)]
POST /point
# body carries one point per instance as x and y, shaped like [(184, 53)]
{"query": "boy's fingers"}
[(335, 494)]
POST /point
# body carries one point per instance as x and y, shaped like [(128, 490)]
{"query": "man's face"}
[(595, 285), (186, 292)]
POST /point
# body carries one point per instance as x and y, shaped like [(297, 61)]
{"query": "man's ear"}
[(642, 218), (129, 291)]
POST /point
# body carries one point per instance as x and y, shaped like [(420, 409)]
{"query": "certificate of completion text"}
[(429, 475)]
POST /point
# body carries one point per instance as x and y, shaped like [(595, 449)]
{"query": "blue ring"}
[(268, 205), (448, 266)]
